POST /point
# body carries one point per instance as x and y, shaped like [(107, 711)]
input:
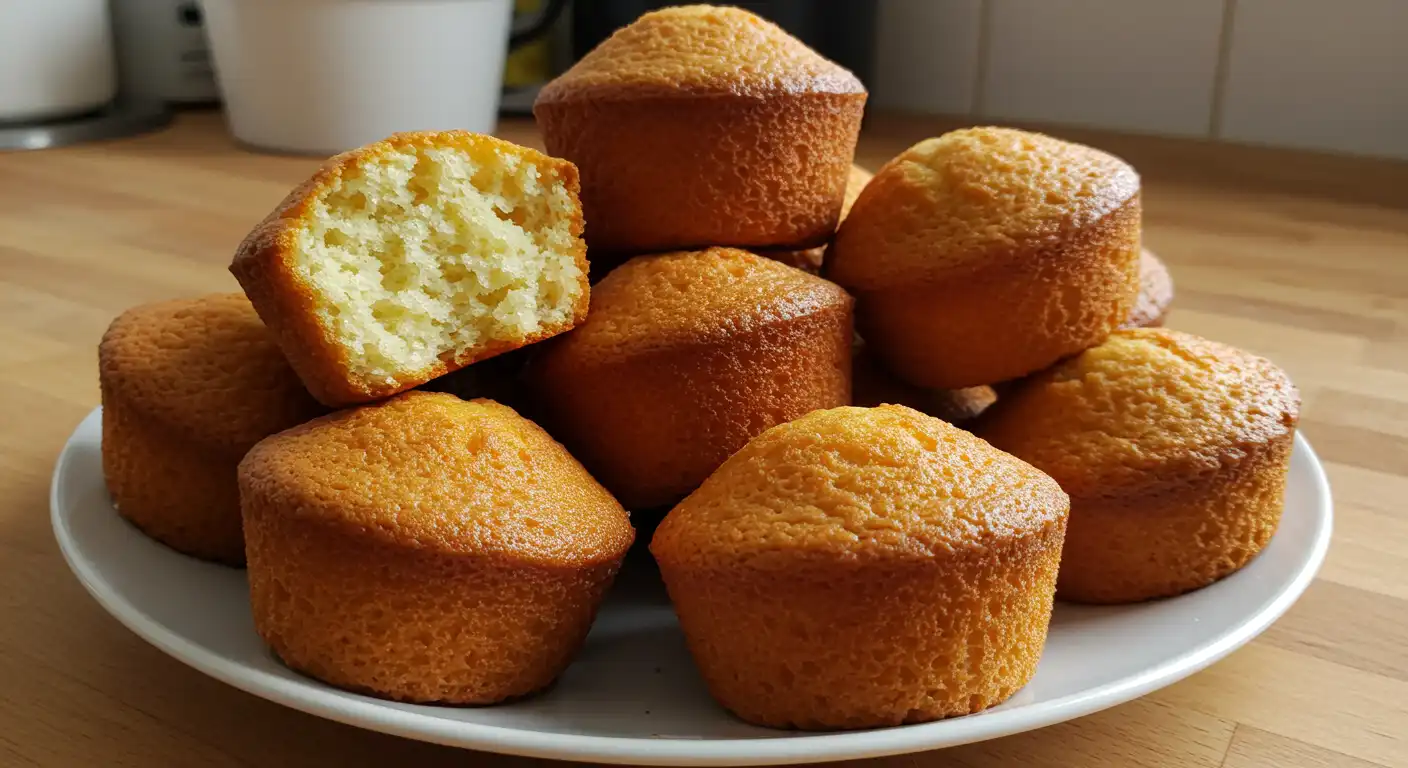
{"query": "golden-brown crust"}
[(684, 358), (664, 173), (859, 484), (427, 549), (972, 197), (687, 125), (180, 493), (651, 428), (689, 297), (864, 567), (188, 386), (987, 254), (1123, 549), (1148, 409), (872, 385), (810, 260), (840, 646), (1174, 451), (412, 624), (1155, 293), (205, 369), (1008, 319), (288, 304), (698, 50), (507, 490)]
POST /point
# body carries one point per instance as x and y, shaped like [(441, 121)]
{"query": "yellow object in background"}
[(530, 63)]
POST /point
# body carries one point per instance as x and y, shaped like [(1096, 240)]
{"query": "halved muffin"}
[(415, 256)]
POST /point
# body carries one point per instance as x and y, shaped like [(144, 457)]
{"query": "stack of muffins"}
[(858, 530)]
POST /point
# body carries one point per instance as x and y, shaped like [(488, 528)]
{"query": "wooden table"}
[(1301, 258)]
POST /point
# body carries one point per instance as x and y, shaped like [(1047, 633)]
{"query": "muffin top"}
[(206, 369), (693, 297), (971, 196), (1155, 293), (1149, 405), (699, 50), (428, 470), (852, 484)]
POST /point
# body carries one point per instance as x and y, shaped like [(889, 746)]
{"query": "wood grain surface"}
[(1302, 258)]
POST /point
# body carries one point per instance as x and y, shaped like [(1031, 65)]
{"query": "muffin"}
[(685, 357), (1174, 451), (426, 549), (415, 256), (1155, 293), (989, 253), (697, 126), (872, 385), (864, 567), (810, 259), (188, 387)]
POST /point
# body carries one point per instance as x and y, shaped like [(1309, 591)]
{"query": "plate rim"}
[(369, 713)]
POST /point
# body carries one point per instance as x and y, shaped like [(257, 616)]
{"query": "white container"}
[(55, 58), (322, 76)]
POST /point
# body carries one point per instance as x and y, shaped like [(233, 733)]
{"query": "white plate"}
[(632, 696)]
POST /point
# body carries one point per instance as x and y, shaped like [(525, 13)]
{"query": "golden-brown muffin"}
[(872, 385), (1174, 451), (685, 357), (698, 126), (864, 567), (1155, 293), (188, 387), (811, 258), (427, 549), (989, 253), (415, 256)]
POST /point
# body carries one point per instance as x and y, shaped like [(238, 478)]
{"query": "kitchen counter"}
[(1301, 258)]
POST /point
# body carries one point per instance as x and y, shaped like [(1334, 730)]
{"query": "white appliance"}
[(56, 58)]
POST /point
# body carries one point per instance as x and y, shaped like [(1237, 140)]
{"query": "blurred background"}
[(318, 76)]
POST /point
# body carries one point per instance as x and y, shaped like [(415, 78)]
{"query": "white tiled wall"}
[(1319, 74)]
